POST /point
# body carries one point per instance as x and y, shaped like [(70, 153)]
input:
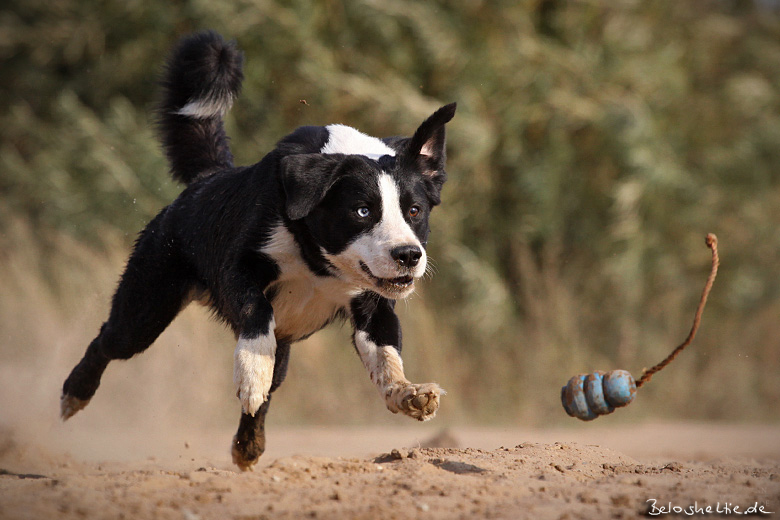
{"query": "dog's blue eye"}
[(363, 212)]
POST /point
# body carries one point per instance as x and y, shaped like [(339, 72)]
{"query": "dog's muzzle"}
[(392, 285)]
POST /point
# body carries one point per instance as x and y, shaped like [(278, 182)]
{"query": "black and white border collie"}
[(331, 224)]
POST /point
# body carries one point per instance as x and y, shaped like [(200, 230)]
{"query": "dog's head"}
[(366, 202)]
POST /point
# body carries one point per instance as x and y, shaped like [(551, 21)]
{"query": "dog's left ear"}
[(427, 145), (306, 178)]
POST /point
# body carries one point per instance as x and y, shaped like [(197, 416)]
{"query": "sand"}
[(154, 443), (411, 472)]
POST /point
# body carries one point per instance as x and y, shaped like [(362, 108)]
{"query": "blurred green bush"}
[(595, 145)]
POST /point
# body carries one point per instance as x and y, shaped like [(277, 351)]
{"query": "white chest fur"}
[(303, 302)]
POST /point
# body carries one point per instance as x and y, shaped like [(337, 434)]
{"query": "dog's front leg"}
[(253, 360), (377, 339)]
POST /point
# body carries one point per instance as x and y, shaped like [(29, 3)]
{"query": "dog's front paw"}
[(417, 401), (247, 452), (253, 372)]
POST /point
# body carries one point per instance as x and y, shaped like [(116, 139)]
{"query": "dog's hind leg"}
[(152, 291), (249, 441)]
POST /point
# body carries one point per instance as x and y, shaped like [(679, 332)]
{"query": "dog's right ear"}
[(306, 179)]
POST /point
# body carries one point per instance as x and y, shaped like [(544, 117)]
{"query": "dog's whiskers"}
[(430, 269)]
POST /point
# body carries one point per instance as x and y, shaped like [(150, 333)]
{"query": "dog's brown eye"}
[(414, 211)]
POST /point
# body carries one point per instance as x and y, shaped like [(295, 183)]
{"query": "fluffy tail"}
[(202, 78)]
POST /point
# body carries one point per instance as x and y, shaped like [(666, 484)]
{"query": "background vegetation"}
[(595, 145)]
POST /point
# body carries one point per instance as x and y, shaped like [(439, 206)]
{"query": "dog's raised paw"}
[(419, 401)]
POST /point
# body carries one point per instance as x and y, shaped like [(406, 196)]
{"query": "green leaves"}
[(595, 144)]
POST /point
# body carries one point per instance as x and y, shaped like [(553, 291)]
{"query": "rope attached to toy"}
[(647, 374), (586, 396)]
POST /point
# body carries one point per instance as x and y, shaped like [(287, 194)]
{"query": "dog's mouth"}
[(397, 284)]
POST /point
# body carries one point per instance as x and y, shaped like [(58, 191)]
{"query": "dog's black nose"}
[(406, 256)]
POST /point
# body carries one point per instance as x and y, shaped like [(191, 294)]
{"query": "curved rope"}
[(647, 374)]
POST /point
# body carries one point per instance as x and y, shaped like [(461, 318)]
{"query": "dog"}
[(332, 224)]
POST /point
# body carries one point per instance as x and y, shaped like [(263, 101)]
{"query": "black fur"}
[(201, 67), (377, 317), (210, 241)]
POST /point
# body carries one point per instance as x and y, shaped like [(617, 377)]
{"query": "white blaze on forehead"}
[(345, 139), (393, 227)]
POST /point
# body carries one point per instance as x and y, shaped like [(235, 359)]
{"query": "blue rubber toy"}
[(588, 396)]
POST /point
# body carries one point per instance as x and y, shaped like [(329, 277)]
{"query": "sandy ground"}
[(411, 472), (155, 444)]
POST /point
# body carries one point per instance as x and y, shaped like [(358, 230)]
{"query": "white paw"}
[(420, 402), (253, 371)]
